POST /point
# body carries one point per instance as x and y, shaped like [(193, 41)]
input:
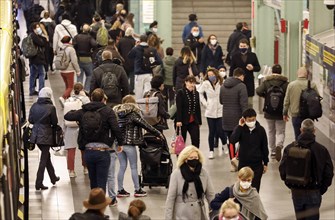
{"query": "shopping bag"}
[(179, 142)]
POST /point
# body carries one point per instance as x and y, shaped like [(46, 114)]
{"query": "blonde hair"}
[(245, 173), (187, 55), (116, 25), (186, 152), (128, 99), (228, 204)]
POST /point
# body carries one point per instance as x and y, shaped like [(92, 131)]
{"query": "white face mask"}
[(39, 31), (251, 124), (195, 34), (154, 30), (222, 74), (213, 42), (245, 184)]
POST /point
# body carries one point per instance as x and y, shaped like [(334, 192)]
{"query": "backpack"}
[(310, 103), (29, 49), (149, 107), (97, 57), (72, 103), (102, 36), (298, 165), (148, 59), (110, 84), (61, 60), (91, 125), (274, 100)]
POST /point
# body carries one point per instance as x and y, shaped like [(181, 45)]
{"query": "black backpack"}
[(310, 103), (110, 84), (149, 60), (274, 100), (298, 166), (91, 125)]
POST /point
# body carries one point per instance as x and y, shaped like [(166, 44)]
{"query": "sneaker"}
[(72, 174), (234, 163), (273, 154), (113, 202), (225, 150), (123, 193), (278, 153), (140, 193), (61, 101), (232, 168), (85, 171), (211, 155)]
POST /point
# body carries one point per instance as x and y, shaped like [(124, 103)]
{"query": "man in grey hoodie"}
[(234, 101)]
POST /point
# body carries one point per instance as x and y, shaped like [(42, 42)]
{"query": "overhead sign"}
[(328, 58), (313, 49), (148, 11)]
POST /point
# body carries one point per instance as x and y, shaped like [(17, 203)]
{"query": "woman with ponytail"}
[(135, 210)]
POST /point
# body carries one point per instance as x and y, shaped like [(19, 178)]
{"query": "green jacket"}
[(169, 62), (292, 97)]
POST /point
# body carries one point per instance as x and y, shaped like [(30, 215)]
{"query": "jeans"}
[(87, 69), (142, 83), (111, 176), (36, 71), (194, 130), (129, 152), (276, 128), (97, 164), (215, 130), (306, 204), (45, 162), (296, 122), (68, 79)]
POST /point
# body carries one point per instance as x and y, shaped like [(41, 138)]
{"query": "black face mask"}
[(193, 163), (243, 50)]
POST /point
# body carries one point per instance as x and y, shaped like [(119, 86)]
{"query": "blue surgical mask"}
[(39, 31), (212, 78), (243, 50)]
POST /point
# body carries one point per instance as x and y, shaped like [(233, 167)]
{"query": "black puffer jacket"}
[(43, 116), (109, 123), (84, 43), (131, 124)]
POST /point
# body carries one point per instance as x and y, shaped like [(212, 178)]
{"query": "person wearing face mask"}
[(196, 43), (211, 86), (188, 111), (212, 54), (249, 63), (190, 185), (253, 142), (222, 71), (244, 194), (37, 62)]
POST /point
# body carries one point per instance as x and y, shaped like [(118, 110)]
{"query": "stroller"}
[(156, 164)]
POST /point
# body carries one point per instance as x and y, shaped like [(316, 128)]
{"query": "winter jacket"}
[(234, 101), (168, 65), (137, 54), (253, 151), (124, 47), (109, 123), (84, 44), (212, 104), (62, 30), (196, 46), (41, 43), (234, 42), (272, 80), (131, 123), (88, 215), (180, 72), (292, 97), (182, 108), (176, 208), (43, 116), (124, 216), (121, 75), (210, 59), (162, 113), (322, 166), (248, 75), (72, 56)]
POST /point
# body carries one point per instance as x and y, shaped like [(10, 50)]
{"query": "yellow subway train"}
[(14, 184)]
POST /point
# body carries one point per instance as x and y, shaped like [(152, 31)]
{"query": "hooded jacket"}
[(253, 150), (44, 117), (131, 123), (234, 101), (272, 80), (322, 165), (168, 62), (61, 31), (109, 123)]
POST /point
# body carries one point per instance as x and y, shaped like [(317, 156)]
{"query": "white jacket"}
[(60, 32), (212, 104)]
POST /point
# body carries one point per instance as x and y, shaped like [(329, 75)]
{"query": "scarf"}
[(192, 176), (191, 101), (252, 205), (213, 48)]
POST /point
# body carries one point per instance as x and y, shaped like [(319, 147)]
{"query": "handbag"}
[(179, 142), (28, 130), (58, 136)]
